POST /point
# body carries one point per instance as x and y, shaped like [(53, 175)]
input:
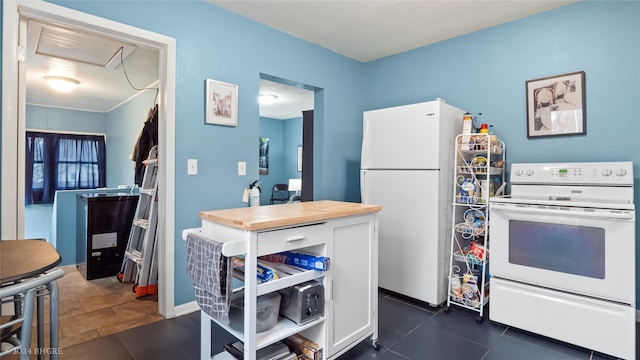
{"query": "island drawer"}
[(298, 237)]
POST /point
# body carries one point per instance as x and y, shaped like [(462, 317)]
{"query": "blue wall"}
[(123, 126), (47, 118), (486, 72), (480, 72), (274, 130), (284, 138), (213, 43), (38, 222), (293, 139)]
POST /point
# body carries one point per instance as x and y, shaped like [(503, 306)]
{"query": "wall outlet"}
[(192, 167), (242, 168)]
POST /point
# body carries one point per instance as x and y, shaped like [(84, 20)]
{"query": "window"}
[(62, 162)]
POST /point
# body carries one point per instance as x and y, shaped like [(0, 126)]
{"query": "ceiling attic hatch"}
[(74, 45)]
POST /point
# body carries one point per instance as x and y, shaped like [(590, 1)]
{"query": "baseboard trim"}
[(187, 308)]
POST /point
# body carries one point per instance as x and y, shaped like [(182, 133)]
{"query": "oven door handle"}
[(594, 215)]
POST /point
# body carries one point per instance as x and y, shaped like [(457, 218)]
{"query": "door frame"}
[(13, 124)]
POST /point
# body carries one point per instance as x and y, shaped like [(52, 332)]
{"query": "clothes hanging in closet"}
[(147, 139)]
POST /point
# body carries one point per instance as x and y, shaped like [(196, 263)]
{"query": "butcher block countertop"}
[(274, 216)]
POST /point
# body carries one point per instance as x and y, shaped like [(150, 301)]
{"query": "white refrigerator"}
[(407, 168)]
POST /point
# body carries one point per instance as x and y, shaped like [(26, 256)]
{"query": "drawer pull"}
[(296, 239)]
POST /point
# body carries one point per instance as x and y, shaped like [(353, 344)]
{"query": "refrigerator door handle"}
[(362, 186)]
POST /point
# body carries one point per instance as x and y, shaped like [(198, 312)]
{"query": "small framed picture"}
[(556, 105), (222, 103), (299, 158), (263, 161)]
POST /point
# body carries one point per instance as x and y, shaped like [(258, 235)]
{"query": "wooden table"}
[(23, 259)]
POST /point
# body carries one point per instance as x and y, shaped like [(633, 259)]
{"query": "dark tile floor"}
[(406, 331)]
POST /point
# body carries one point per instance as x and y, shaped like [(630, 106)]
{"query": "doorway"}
[(13, 124), (286, 125)]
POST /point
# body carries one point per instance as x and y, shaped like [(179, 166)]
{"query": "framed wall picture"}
[(556, 105), (299, 158), (222, 103), (263, 160)]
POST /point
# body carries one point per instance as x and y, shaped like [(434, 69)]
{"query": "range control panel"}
[(581, 173)]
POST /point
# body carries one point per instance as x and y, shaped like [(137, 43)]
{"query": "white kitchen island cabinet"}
[(346, 233)]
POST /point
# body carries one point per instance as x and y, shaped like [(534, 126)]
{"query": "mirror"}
[(281, 133)]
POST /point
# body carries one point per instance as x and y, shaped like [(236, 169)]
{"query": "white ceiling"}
[(90, 58), (290, 103), (367, 30), (364, 30)]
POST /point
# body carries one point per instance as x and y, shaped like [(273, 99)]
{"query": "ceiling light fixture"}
[(61, 83), (267, 99)]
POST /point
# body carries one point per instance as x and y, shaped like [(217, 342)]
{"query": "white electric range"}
[(563, 254)]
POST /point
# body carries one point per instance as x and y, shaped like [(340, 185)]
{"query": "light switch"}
[(192, 167), (242, 168)]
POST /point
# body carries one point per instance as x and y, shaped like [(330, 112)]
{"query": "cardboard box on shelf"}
[(305, 261)]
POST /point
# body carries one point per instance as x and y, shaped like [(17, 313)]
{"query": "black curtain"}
[(62, 162)]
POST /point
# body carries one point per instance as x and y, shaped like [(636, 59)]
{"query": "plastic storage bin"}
[(267, 308)]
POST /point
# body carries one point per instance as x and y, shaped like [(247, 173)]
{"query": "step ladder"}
[(140, 258)]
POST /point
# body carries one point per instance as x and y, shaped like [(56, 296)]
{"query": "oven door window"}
[(570, 249)]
